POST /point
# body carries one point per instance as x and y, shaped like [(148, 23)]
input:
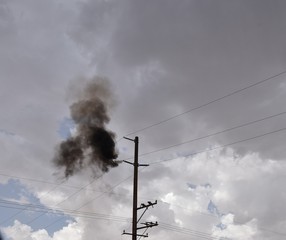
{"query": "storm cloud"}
[(163, 58)]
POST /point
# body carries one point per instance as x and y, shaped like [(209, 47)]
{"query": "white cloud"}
[(21, 231), (228, 229)]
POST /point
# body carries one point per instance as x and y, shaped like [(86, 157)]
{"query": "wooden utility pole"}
[(135, 189), (136, 165)]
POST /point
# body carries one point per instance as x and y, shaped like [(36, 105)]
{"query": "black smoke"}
[(92, 145)]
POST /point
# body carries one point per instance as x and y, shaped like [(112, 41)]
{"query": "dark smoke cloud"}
[(93, 145)]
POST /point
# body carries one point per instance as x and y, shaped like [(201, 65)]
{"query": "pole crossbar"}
[(148, 225)]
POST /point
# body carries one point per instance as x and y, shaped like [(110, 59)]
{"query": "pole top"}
[(136, 139), (130, 139)]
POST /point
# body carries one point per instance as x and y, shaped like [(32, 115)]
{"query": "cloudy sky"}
[(200, 82)]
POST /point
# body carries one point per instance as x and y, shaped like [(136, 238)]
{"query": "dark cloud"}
[(198, 51)]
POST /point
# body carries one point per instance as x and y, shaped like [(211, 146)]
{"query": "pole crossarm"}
[(148, 225), (146, 206), (138, 235), (130, 139), (139, 165), (150, 204)]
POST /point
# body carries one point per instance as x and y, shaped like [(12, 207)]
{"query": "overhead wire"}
[(198, 107), (59, 219), (213, 134), (92, 215), (43, 181), (88, 202), (99, 216), (57, 211), (27, 206), (206, 104), (223, 146), (165, 160), (196, 153), (42, 195), (154, 151), (68, 197), (157, 150), (214, 216), (190, 232), (207, 214)]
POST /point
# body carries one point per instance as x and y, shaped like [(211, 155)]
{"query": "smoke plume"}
[(92, 145)]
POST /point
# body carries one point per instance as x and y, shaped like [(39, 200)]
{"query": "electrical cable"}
[(213, 134), (74, 214), (207, 150), (99, 216), (187, 231), (52, 223), (19, 212), (43, 181), (200, 106), (206, 104), (214, 216), (223, 146), (28, 207), (73, 194), (157, 150), (91, 215), (197, 153)]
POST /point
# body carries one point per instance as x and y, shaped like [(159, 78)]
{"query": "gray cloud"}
[(206, 50), (163, 58)]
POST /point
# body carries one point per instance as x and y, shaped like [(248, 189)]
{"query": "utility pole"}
[(136, 165)]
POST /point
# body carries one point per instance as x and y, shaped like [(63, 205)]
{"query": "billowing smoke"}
[(92, 146)]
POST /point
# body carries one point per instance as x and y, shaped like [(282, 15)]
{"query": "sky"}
[(200, 82)]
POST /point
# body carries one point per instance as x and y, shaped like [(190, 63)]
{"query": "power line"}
[(172, 159), (195, 108), (169, 160), (187, 231), (73, 194), (161, 149), (214, 134), (60, 185), (210, 215), (205, 104), (95, 216), (43, 209), (57, 185), (214, 216), (165, 160), (76, 210), (116, 185), (19, 212), (56, 211), (86, 203), (226, 145), (43, 181), (147, 153)]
